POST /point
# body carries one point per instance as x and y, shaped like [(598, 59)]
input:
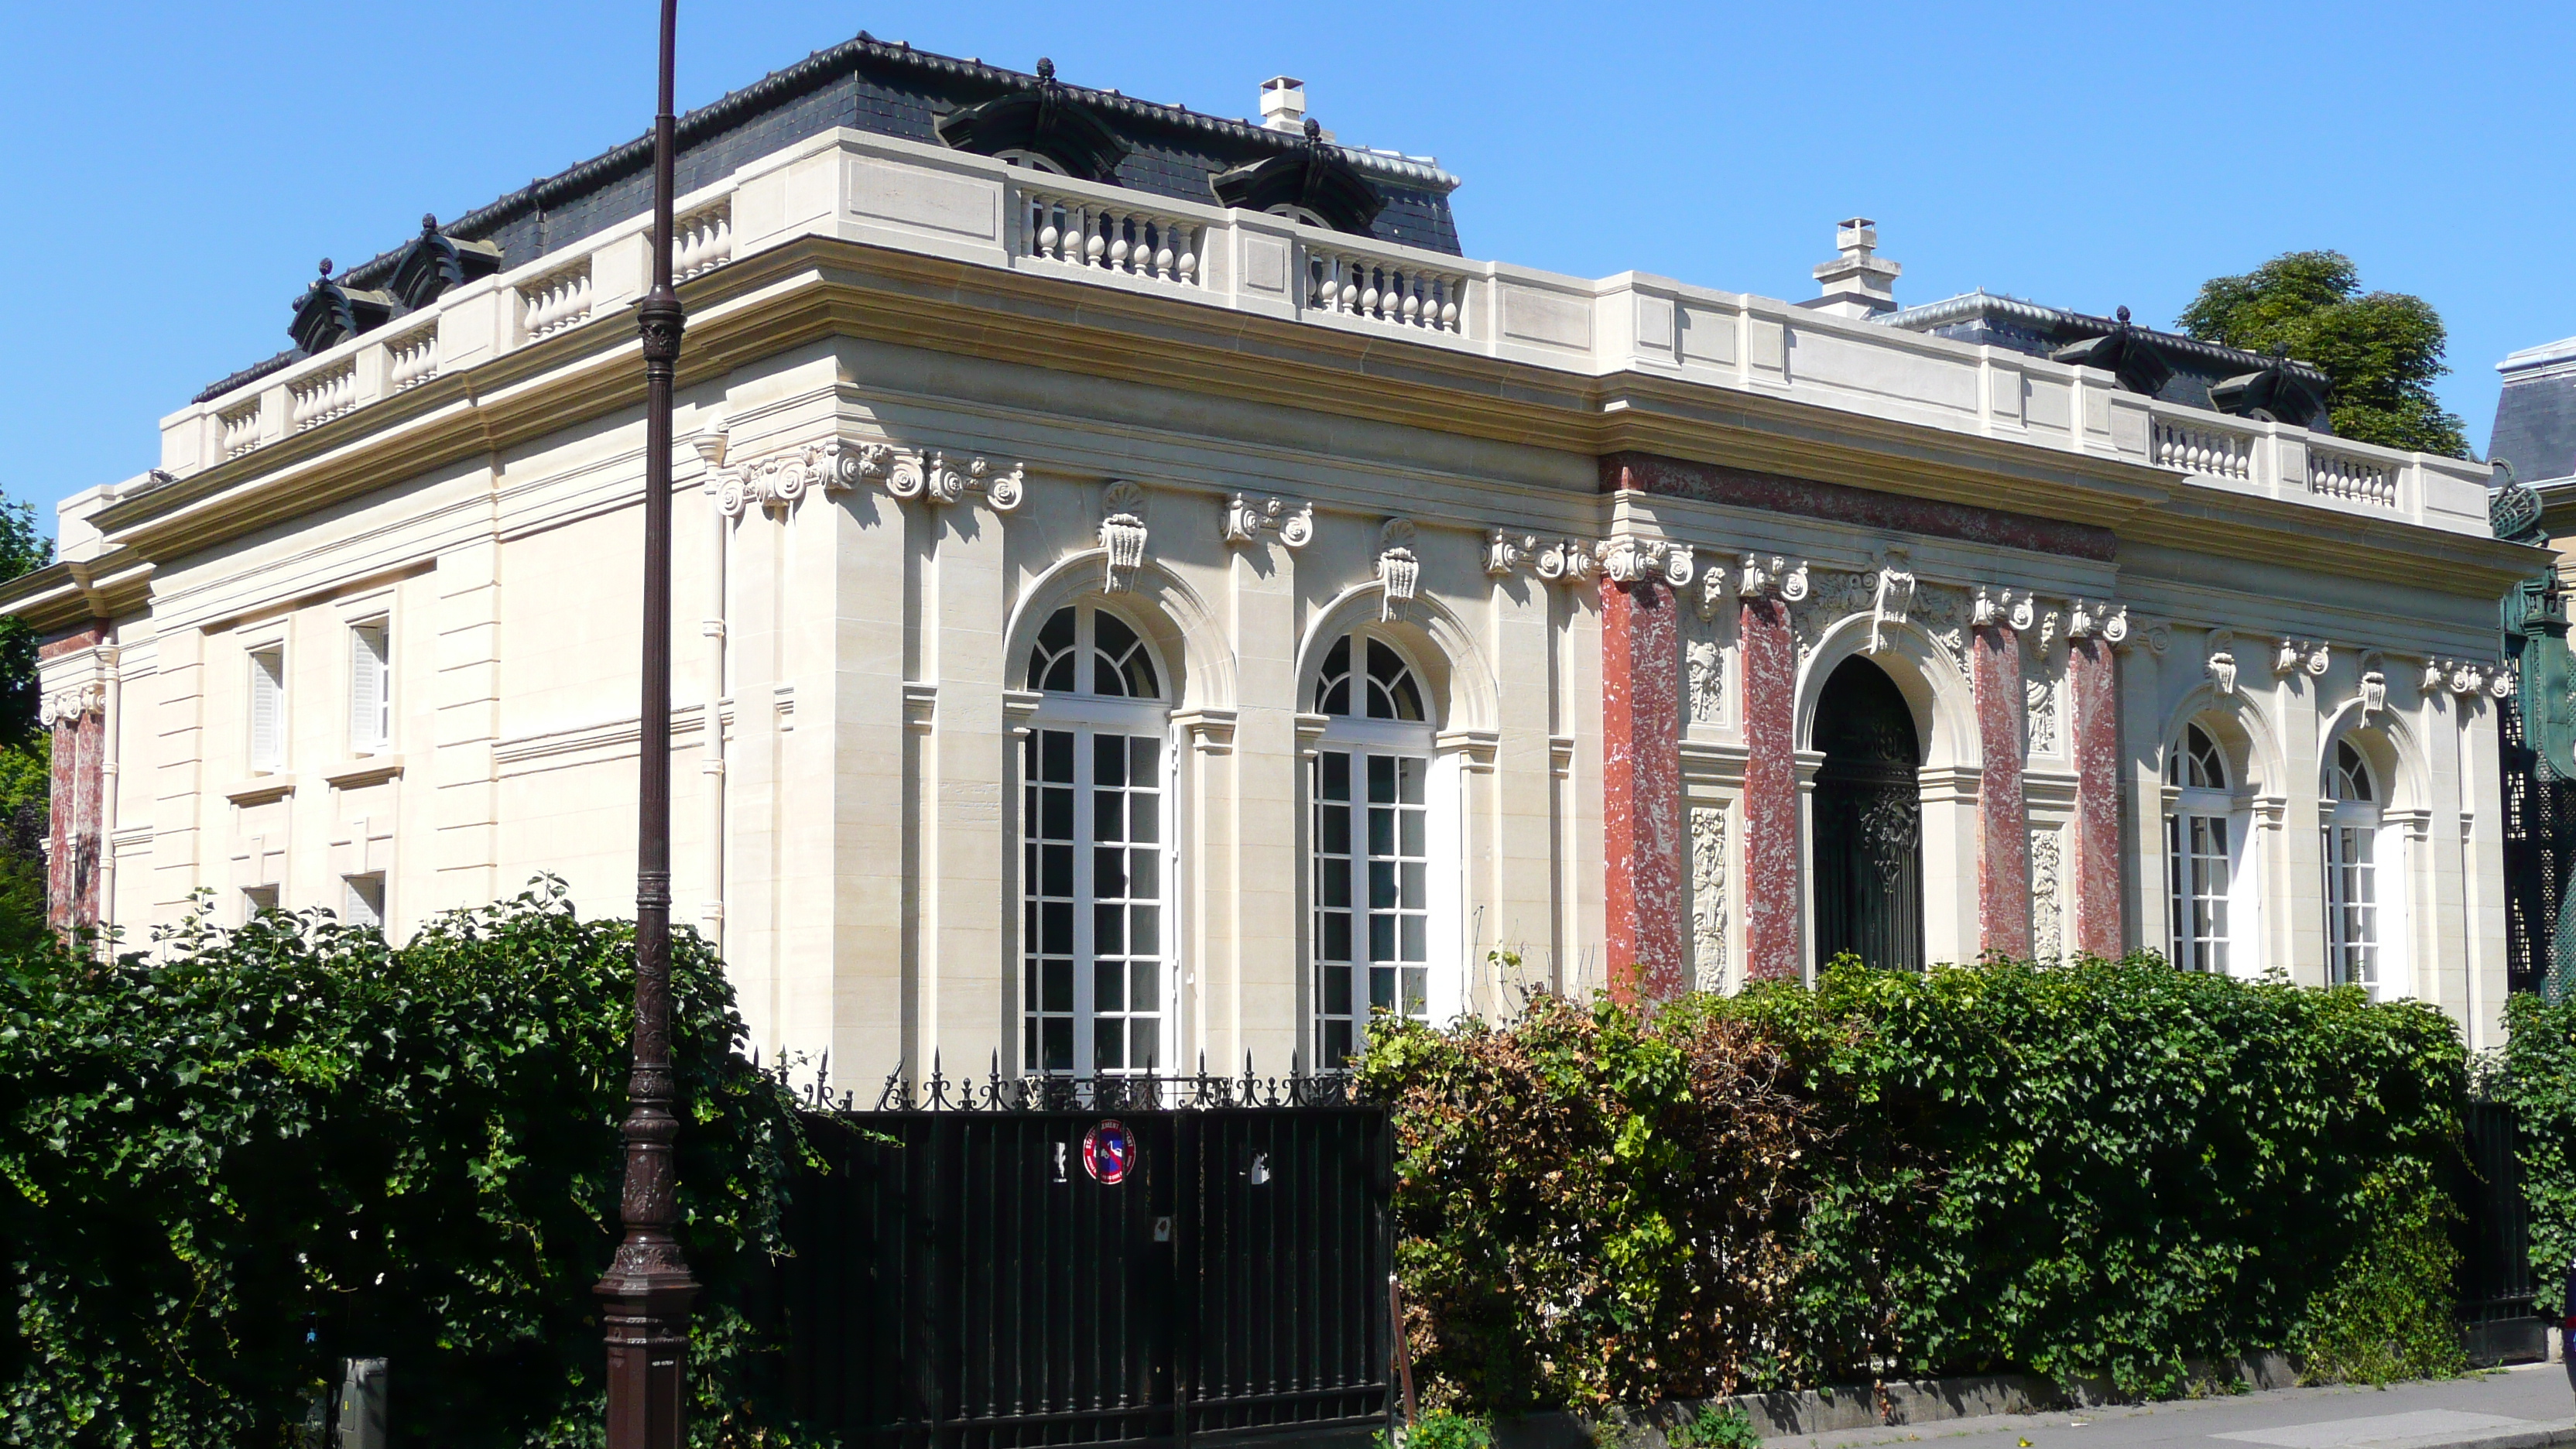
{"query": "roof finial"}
[(428, 222), (326, 269), (2122, 316), (1314, 129), (1046, 68)]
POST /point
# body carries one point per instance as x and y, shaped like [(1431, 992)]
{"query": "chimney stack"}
[(1283, 104), (1858, 283)]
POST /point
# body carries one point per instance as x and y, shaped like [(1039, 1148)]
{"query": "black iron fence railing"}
[(983, 1265)]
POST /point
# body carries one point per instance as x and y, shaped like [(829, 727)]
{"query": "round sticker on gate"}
[(1108, 1153)]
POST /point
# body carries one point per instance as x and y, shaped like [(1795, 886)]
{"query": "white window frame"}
[(258, 898), (1087, 717), (2237, 950), (264, 672), (371, 686), (1440, 987), (363, 900), (2381, 876)]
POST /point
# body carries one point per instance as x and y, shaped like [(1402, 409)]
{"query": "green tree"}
[(26, 756), (2382, 349)]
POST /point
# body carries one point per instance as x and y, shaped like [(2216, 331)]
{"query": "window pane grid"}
[(2352, 906), (1370, 886), (2203, 875)]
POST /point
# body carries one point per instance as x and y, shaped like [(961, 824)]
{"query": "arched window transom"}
[(2204, 849), (1087, 650), (1386, 689)]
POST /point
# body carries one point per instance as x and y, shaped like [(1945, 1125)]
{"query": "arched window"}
[(1095, 851), (2204, 844), (2352, 871), (1371, 844)]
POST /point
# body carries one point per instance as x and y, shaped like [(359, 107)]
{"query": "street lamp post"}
[(645, 1295)]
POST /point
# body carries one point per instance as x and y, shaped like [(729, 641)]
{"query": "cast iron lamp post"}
[(645, 1295)]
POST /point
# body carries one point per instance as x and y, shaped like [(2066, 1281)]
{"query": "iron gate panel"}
[(961, 1282)]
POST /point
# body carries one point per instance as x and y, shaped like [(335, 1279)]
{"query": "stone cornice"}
[(814, 288)]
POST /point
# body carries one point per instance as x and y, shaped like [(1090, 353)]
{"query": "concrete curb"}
[(2542, 1436)]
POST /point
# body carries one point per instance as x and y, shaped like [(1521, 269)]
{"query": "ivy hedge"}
[(287, 1143), (2098, 1171), (2536, 1075)]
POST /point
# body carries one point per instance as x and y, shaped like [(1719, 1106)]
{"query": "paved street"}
[(2407, 1416)]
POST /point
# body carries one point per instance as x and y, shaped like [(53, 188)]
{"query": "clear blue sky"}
[(177, 169)]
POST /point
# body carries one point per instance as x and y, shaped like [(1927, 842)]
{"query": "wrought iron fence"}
[(2494, 1286), (1049, 1261)]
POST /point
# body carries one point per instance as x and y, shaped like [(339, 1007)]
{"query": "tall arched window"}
[(1371, 839), (2204, 842), (1095, 863), (2353, 926)]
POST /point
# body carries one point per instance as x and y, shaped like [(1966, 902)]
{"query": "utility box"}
[(361, 1413)]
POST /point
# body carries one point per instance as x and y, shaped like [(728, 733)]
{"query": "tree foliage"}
[(2382, 349), (25, 761), (2537, 1077), (287, 1143), (2104, 1171)]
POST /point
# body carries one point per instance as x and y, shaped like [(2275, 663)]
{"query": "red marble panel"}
[(2003, 825), (1642, 791), (1867, 507), (72, 859), (2092, 674), (1771, 812)]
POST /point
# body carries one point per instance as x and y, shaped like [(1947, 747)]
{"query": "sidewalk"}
[(2526, 1407)]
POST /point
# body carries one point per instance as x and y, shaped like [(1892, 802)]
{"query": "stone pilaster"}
[(74, 714), (1641, 790), (2003, 824), (2092, 680), (1772, 808)]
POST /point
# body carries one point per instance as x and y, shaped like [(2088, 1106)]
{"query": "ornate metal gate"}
[(1868, 814), (988, 1270)]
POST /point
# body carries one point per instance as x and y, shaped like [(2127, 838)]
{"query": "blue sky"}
[(178, 169)]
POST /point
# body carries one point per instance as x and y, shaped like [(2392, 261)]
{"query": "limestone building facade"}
[(1148, 598)]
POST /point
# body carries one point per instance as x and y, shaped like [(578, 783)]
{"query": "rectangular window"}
[(268, 708), (371, 692), (2352, 906), (2203, 874), (1370, 886), (1091, 902), (256, 899), (362, 900)]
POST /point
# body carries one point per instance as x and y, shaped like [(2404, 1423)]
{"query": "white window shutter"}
[(267, 709), (369, 692)]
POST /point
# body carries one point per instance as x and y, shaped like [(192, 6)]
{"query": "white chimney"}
[(1858, 283), (1283, 103)]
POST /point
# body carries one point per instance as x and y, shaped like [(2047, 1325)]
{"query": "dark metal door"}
[(1868, 821)]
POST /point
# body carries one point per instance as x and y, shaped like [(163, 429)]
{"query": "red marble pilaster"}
[(1641, 790), (2003, 825), (2092, 677), (76, 781), (1771, 805)]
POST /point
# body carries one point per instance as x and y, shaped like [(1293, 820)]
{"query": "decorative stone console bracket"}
[(776, 481), (1246, 521)]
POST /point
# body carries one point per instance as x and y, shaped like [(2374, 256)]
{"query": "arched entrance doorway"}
[(1868, 820)]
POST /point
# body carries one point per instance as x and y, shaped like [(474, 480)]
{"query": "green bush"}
[(1440, 1429), (2537, 1077), (286, 1143), (1717, 1427), (2103, 1170)]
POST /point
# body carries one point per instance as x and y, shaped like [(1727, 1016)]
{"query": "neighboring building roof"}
[(2535, 421), (891, 89), (1995, 320)]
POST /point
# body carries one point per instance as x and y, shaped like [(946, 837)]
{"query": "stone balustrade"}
[(318, 397), (882, 192), (1111, 236), (2195, 445), (555, 301), (411, 358), (2336, 473), (1396, 290)]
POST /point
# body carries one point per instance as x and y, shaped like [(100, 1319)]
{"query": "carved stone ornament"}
[(1892, 594), (2047, 918), (2312, 655), (1122, 533), (775, 481), (2098, 618), (2004, 608), (1246, 521), (2502, 681), (1567, 561), (2222, 661), (1704, 664), (1505, 553), (1399, 572), (67, 706), (1627, 560), (1708, 897), (941, 479), (1774, 578), (2374, 685)]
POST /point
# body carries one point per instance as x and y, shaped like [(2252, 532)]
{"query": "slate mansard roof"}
[(2535, 421), (890, 89), (2039, 330)]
